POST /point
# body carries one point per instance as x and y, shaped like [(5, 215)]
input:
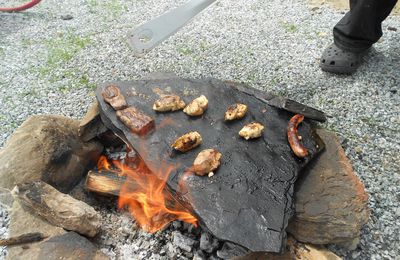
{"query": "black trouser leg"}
[(361, 26)]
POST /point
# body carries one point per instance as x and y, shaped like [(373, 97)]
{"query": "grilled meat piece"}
[(136, 120), (294, 138), (169, 103), (197, 106), (112, 95), (252, 130), (236, 111), (187, 142), (206, 161)]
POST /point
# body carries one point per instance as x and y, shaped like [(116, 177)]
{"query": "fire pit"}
[(246, 205)]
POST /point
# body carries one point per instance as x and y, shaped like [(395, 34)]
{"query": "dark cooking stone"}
[(249, 200)]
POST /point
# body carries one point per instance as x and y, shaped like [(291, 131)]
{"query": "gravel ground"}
[(51, 65)]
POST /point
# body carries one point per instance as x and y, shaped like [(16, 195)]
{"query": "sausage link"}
[(293, 137)]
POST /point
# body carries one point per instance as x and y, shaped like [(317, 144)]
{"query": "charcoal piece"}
[(249, 200), (230, 250), (199, 255), (208, 243), (183, 242)]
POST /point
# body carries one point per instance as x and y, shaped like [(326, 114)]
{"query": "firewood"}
[(105, 182), (22, 239), (109, 183)]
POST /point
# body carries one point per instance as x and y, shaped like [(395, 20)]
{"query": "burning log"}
[(146, 196), (58, 208), (106, 182), (22, 239)]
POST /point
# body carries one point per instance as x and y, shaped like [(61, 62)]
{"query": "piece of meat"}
[(112, 95), (293, 137), (252, 130), (187, 142), (197, 106), (169, 103), (206, 161), (136, 120), (236, 111)]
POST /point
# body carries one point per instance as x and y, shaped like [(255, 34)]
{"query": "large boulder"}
[(68, 246), (23, 221), (330, 200), (47, 148)]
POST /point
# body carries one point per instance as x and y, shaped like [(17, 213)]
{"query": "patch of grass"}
[(185, 51), (84, 82), (115, 7), (65, 89), (61, 50), (64, 48), (77, 82), (290, 28), (31, 92), (92, 5)]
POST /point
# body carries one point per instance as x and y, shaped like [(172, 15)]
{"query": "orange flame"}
[(149, 202)]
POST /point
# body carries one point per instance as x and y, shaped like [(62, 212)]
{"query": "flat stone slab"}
[(331, 202), (249, 200)]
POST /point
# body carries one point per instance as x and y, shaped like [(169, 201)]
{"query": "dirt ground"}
[(343, 5)]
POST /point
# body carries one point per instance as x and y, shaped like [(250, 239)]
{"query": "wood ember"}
[(58, 208), (22, 239)]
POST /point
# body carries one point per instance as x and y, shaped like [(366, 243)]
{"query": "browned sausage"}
[(293, 137)]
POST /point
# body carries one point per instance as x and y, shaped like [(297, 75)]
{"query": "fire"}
[(149, 202)]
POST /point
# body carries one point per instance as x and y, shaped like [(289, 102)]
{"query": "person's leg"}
[(361, 26), (355, 33)]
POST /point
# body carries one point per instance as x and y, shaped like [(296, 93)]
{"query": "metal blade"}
[(152, 33)]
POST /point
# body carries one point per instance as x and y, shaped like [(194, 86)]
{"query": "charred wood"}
[(22, 239)]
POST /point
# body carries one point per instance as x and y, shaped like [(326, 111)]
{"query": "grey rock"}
[(183, 242), (66, 17), (47, 148)]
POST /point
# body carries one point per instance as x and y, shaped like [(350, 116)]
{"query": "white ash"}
[(49, 65), (121, 238)]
